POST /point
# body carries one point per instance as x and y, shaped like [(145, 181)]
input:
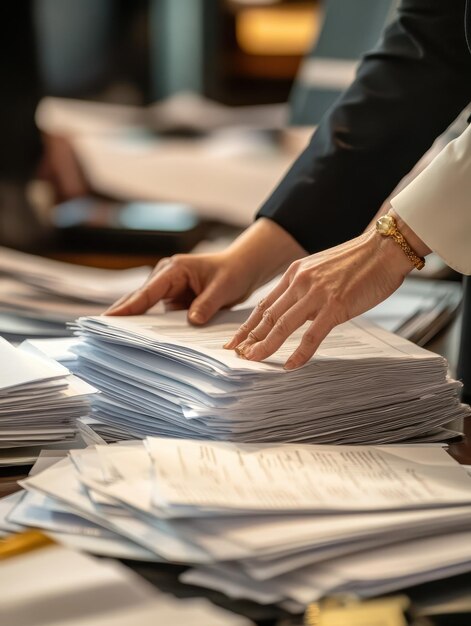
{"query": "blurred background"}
[(192, 105), (233, 51)]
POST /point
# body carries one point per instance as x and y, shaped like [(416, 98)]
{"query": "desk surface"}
[(165, 576)]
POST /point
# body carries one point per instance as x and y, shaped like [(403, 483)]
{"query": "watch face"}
[(385, 225)]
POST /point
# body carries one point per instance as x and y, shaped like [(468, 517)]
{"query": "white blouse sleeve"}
[(437, 204)]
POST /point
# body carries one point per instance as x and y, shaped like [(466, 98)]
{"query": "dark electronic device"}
[(96, 224)]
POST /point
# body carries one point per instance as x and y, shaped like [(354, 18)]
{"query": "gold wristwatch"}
[(387, 227)]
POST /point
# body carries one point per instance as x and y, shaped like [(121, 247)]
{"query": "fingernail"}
[(248, 353), (239, 350), (196, 317), (290, 364), (228, 345)]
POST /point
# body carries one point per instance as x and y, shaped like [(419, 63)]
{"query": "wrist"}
[(265, 249), (406, 240), (391, 254), (419, 247)]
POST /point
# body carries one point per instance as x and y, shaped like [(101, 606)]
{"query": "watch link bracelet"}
[(387, 227)]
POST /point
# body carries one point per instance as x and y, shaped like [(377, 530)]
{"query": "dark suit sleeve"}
[(406, 92)]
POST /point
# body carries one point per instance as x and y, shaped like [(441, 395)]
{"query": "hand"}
[(205, 283), (202, 283), (327, 288)]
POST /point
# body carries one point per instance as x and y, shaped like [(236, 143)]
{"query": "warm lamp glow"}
[(288, 30)]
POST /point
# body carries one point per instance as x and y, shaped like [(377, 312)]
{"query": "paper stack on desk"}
[(160, 376), (39, 400), (38, 296), (271, 522), (419, 309)]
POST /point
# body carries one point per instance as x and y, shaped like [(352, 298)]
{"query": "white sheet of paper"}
[(61, 482), (295, 477), (24, 368)]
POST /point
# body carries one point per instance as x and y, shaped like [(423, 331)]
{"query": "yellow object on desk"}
[(21, 543)]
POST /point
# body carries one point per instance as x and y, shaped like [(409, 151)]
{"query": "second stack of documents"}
[(271, 522)]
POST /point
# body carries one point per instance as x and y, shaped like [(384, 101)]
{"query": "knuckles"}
[(295, 265), (252, 335), (281, 326), (310, 340), (243, 329), (269, 318), (162, 264), (177, 260), (261, 306)]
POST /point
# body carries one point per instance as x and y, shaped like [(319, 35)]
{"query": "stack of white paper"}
[(419, 309), (160, 376), (39, 399), (38, 296), (271, 522)]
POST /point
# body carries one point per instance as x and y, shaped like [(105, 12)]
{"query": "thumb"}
[(204, 307)]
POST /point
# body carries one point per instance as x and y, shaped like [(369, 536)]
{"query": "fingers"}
[(312, 339), (157, 287), (286, 325), (175, 281), (274, 318), (142, 299), (256, 316), (213, 298), (290, 319), (116, 305)]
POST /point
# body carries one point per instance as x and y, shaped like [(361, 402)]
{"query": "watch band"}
[(387, 227)]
